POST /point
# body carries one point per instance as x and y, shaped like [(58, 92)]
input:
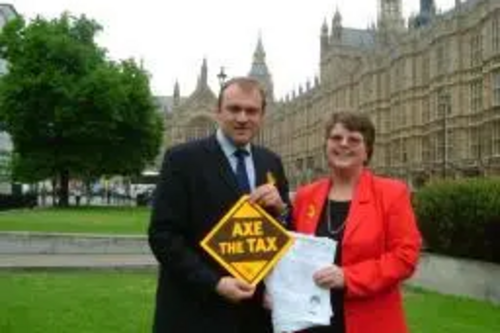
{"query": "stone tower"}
[(426, 14), (336, 35), (390, 15), (324, 39), (260, 71)]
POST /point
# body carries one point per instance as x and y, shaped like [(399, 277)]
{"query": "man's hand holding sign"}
[(267, 196)]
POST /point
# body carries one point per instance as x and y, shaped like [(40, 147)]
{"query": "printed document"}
[(297, 302)]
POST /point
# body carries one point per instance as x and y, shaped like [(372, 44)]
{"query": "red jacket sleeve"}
[(398, 261)]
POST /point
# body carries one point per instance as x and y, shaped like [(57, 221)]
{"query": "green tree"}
[(72, 112)]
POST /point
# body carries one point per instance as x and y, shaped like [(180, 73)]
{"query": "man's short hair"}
[(246, 84)]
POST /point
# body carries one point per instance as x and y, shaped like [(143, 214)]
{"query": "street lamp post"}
[(445, 105), (222, 77), (445, 140)]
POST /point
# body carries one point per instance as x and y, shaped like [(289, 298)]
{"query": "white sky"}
[(173, 36)]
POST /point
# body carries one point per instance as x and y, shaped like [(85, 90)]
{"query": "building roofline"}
[(11, 6)]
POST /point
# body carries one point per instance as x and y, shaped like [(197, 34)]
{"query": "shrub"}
[(461, 217), (13, 201)]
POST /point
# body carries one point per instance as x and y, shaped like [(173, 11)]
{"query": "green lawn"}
[(83, 302), (434, 313), (123, 220), (99, 302)]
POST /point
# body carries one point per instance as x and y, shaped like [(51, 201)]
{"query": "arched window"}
[(199, 127)]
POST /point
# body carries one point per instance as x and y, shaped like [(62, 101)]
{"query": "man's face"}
[(240, 114)]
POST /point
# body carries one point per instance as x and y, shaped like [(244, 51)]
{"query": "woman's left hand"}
[(330, 277)]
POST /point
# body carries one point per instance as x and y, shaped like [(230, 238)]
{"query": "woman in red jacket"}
[(372, 220)]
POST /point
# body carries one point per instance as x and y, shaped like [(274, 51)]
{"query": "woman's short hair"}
[(354, 122)]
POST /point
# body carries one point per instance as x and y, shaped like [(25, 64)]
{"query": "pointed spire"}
[(324, 28), (336, 35), (176, 89), (177, 93), (337, 18), (259, 56), (204, 73), (260, 71), (324, 38)]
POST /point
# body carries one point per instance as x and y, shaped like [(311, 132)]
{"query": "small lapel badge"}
[(270, 178), (311, 211)]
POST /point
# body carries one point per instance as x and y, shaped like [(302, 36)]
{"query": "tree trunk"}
[(55, 191), (64, 188), (88, 191)]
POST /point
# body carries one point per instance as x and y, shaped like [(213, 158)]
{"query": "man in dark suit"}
[(200, 181)]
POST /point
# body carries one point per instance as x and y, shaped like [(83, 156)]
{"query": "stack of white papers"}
[(297, 302)]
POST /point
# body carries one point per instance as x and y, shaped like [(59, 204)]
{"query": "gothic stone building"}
[(432, 88), (193, 117)]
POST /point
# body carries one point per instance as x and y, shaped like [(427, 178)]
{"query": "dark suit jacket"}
[(196, 188)]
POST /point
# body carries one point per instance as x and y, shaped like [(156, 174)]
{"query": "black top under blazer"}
[(196, 188)]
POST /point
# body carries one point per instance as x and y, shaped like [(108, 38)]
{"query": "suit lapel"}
[(358, 210), (310, 206), (260, 166), (223, 166)]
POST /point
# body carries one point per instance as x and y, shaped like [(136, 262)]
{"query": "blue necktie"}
[(241, 170)]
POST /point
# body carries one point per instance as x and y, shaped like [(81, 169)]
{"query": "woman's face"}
[(345, 150)]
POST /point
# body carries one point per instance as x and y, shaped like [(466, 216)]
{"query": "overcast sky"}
[(173, 36)]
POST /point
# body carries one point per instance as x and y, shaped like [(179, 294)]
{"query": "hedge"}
[(13, 201), (461, 217)]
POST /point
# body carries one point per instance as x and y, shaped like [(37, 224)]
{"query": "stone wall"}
[(62, 243), (448, 275)]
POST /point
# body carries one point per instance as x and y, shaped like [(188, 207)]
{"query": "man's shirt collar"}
[(228, 146)]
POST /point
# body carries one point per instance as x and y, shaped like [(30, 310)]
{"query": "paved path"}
[(77, 261)]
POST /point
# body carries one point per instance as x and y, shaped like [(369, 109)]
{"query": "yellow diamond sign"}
[(247, 241)]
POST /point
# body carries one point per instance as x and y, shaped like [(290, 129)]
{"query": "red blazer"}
[(380, 248)]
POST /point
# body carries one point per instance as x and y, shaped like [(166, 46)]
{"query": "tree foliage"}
[(72, 112)]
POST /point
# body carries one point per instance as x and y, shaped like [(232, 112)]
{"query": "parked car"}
[(145, 198)]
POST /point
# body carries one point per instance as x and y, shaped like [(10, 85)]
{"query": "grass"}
[(102, 302), (108, 220), (76, 302), (434, 313)]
